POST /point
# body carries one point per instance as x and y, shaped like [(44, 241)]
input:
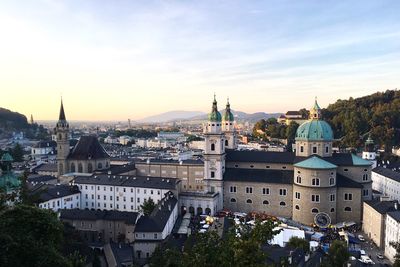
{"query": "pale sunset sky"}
[(114, 60)]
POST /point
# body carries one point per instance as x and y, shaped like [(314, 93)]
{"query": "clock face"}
[(322, 220)]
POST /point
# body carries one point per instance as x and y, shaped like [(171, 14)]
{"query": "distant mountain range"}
[(180, 115)]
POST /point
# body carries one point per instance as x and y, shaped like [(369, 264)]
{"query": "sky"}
[(114, 60)]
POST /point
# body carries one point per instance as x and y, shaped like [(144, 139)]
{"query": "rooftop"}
[(257, 175), (94, 215), (88, 147), (395, 215), (57, 191), (315, 163), (387, 173), (382, 207)]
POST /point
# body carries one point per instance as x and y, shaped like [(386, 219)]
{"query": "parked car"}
[(380, 256), (361, 238), (365, 259)]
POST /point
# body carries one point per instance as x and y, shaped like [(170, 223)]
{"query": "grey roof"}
[(395, 215), (48, 167), (157, 220), (172, 162), (382, 207), (119, 169), (340, 159), (40, 178), (94, 215), (128, 181), (260, 176), (387, 173), (43, 144), (88, 147), (343, 181), (57, 191), (123, 253)]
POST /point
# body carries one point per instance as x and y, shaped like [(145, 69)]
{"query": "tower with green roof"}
[(9, 182), (369, 152), (214, 154), (228, 127)]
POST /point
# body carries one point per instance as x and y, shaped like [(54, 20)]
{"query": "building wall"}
[(99, 164), (355, 205), (385, 185), (308, 148), (373, 225), (392, 234), (255, 165), (67, 202), (257, 197), (360, 174)]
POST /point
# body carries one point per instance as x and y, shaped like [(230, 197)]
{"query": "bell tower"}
[(214, 154), (228, 127), (62, 136)]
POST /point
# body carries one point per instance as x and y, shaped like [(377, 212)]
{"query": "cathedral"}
[(312, 185)]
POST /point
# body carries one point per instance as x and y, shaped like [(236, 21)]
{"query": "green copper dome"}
[(228, 116), (9, 182), (214, 115), (314, 130), (7, 158)]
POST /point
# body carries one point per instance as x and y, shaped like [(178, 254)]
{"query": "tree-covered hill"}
[(12, 120), (379, 114)]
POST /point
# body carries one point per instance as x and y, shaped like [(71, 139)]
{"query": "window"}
[(265, 202), (365, 192), (332, 209), (282, 192), (251, 166), (212, 174), (155, 236), (314, 210), (346, 170), (99, 165), (265, 191), (226, 143), (232, 189), (236, 165), (331, 181), (249, 201), (138, 200), (233, 200), (111, 198), (327, 149), (332, 197), (80, 168), (314, 150), (348, 196), (282, 203), (315, 181), (212, 147), (301, 149), (315, 198), (298, 179), (90, 167), (347, 209), (267, 167), (297, 195), (297, 207), (249, 190), (365, 177), (72, 167)]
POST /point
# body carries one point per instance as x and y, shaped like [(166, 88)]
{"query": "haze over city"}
[(128, 59)]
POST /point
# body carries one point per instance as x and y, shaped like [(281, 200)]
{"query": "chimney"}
[(396, 206)]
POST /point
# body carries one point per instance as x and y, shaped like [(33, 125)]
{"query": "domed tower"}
[(369, 152), (315, 136), (314, 186), (214, 154), (62, 134), (228, 127)]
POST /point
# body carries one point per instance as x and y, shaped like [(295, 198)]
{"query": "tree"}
[(17, 153), (147, 207), (96, 260), (396, 246), (297, 242), (338, 254), (291, 131), (30, 237)]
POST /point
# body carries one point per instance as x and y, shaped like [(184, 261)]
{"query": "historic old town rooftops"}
[(57, 191), (128, 181), (387, 173), (382, 207), (256, 175)]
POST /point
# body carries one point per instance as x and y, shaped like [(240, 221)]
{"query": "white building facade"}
[(392, 233)]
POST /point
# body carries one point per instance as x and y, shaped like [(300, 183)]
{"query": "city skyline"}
[(114, 61)]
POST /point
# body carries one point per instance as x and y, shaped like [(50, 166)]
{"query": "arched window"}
[(347, 209), (332, 209), (61, 166), (297, 207), (331, 181), (80, 169), (314, 210), (315, 181), (59, 137), (99, 165), (226, 143), (72, 167), (266, 202), (212, 147), (233, 200), (249, 201), (90, 167), (282, 203), (365, 177), (298, 179)]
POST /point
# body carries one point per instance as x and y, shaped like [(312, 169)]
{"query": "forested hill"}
[(379, 113), (10, 120)]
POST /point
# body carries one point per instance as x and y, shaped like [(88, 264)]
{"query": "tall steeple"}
[(61, 117), (62, 137), (228, 116)]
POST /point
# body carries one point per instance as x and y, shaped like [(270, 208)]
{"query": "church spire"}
[(228, 116), (62, 114), (315, 112), (214, 115)]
